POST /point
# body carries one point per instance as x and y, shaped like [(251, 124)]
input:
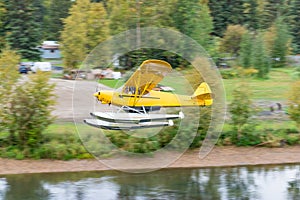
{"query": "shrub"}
[(29, 111), (238, 72), (294, 103), (204, 122), (296, 73), (249, 72), (250, 136), (240, 107), (292, 139), (229, 73)]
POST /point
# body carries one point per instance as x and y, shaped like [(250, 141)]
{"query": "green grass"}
[(60, 128), (57, 75), (112, 83), (274, 88), (268, 124)]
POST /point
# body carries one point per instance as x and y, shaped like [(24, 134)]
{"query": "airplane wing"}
[(148, 75)]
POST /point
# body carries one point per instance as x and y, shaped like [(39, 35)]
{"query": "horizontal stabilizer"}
[(125, 126)]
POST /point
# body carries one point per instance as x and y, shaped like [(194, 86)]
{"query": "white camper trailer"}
[(42, 66)]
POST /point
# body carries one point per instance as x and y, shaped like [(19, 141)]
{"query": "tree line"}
[(219, 26)]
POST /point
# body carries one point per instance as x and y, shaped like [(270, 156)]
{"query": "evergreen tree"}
[(281, 44), (23, 27), (193, 19), (219, 13), (84, 28), (56, 11), (225, 12), (295, 25), (272, 9), (2, 20), (260, 59), (236, 11), (250, 14), (246, 50)]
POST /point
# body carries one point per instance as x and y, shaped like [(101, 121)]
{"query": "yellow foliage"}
[(294, 103), (269, 37), (232, 39), (242, 72), (84, 29), (9, 61), (9, 74)]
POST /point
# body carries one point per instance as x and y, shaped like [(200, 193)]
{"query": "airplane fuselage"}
[(152, 99)]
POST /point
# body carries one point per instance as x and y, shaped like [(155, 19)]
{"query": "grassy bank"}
[(61, 141), (273, 88)]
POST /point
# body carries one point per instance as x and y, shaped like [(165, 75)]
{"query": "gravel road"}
[(75, 98)]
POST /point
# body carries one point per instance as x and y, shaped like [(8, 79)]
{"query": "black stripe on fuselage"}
[(138, 96)]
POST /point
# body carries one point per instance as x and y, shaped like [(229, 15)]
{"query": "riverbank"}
[(218, 157)]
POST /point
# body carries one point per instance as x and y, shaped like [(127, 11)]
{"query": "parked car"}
[(42, 66), (23, 69)]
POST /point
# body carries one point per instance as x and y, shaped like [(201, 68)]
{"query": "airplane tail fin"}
[(203, 92)]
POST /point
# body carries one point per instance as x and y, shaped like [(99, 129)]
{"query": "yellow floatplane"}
[(138, 98)]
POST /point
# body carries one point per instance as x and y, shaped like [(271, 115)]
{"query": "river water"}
[(263, 182)]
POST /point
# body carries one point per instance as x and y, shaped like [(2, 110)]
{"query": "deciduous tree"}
[(29, 111), (232, 39), (84, 28), (25, 108), (9, 60), (122, 16), (125, 15)]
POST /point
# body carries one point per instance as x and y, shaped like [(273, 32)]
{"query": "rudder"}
[(203, 92)]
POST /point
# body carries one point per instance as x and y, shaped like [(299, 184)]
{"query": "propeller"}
[(97, 91)]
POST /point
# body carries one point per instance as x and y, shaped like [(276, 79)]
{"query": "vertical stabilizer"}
[(203, 92)]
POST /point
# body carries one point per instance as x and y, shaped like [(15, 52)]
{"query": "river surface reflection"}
[(264, 182)]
